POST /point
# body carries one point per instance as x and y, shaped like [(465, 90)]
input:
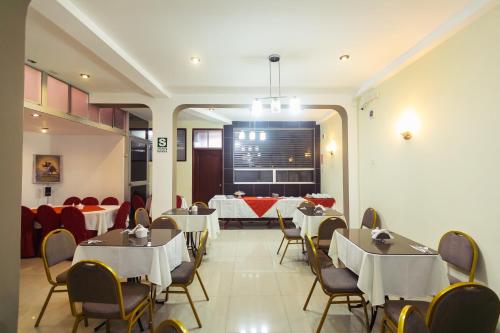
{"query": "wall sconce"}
[(408, 125), (332, 148)]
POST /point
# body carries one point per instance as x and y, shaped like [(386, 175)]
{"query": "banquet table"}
[(394, 269), (229, 207), (99, 218), (308, 220), (155, 256), (189, 221)]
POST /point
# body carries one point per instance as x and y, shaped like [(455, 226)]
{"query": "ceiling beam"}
[(208, 115), (67, 16), (446, 29)]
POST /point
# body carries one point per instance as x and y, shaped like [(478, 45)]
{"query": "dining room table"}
[(154, 256), (97, 217), (399, 267), (189, 220), (308, 219)]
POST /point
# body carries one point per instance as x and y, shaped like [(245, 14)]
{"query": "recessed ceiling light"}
[(195, 60), (85, 76), (36, 115), (45, 129), (344, 57), (31, 61)]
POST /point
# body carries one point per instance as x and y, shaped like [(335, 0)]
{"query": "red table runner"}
[(85, 209), (325, 202), (260, 205)]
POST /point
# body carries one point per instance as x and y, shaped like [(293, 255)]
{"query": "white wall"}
[(331, 168), (447, 176), (93, 165), (184, 175)]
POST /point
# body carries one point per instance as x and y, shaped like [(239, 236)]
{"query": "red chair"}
[(110, 201), (137, 202), (121, 216), (27, 230), (90, 201), (72, 201), (179, 201), (73, 220), (48, 219)]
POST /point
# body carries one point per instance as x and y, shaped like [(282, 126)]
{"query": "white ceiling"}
[(236, 114), (234, 38), (57, 125), (64, 57)]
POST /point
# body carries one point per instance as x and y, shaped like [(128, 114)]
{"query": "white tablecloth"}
[(99, 220), (156, 262), (237, 208), (192, 223), (309, 224), (408, 276)]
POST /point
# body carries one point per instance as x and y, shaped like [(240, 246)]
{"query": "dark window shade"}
[(181, 144), (253, 176), (277, 148)]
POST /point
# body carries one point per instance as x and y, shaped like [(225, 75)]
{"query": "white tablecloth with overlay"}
[(156, 262), (408, 276), (99, 220), (309, 224), (238, 209), (193, 223)]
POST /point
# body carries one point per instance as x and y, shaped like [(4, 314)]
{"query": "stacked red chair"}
[(121, 216), (48, 219), (27, 230), (72, 201), (74, 221), (90, 201), (110, 201)]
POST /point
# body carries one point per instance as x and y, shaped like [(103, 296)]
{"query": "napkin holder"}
[(239, 194), (80, 206), (319, 209), (382, 236), (194, 209), (140, 231)]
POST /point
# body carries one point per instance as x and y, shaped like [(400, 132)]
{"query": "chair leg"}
[(129, 326), (303, 250), (108, 327), (202, 286), (151, 326), (75, 324), (325, 312), (349, 303), (310, 294), (286, 248), (44, 306), (279, 248), (192, 307), (366, 313), (382, 326)]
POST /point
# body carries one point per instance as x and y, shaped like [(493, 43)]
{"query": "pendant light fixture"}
[(275, 101)]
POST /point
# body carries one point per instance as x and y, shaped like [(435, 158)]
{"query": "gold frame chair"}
[(183, 286), (290, 239), (387, 322), (132, 317), (330, 218), (405, 313), (475, 252), (200, 204), (161, 219), (375, 218), (137, 211), (172, 323), (307, 204), (319, 278), (54, 284)]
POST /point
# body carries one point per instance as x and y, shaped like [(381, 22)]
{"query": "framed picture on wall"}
[(181, 145), (47, 169)]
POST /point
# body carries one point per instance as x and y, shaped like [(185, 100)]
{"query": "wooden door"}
[(207, 174)]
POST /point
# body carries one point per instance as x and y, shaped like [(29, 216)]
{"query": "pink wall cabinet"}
[(57, 94), (32, 85), (79, 103)]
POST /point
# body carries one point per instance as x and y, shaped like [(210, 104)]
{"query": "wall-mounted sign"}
[(161, 145)]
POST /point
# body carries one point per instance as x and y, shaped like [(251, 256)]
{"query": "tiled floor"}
[(250, 292)]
